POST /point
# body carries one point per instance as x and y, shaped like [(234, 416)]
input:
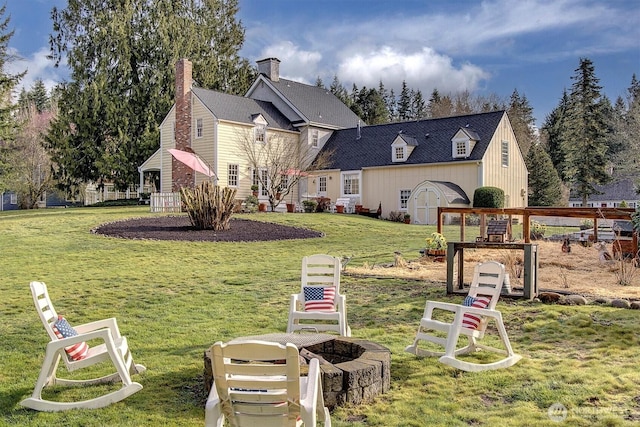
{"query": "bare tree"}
[(278, 161), (32, 163)]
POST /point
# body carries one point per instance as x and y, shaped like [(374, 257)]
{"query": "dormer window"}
[(399, 154), (260, 129), (463, 142), (260, 133), (402, 147)]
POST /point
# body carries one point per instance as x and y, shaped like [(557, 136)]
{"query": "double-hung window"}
[(505, 153), (351, 183), (404, 199), (199, 130), (232, 175), (260, 134)]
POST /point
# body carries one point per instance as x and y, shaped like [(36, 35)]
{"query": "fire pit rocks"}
[(353, 370)]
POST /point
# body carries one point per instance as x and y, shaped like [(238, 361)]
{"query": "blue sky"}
[(492, 46)]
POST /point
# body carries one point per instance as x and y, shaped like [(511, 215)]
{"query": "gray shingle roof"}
[(240, 109), (433, 137), (618, 190), (317, 104)]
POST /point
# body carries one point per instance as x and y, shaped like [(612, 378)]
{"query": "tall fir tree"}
[(586, 123), (8, 123), (339, 91), (404, 103), (544, 182), (522, 121), (555, 135), (122, 59)]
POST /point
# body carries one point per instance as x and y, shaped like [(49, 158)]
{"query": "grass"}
[(174, 299)]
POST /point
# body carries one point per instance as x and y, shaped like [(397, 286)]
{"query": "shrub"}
[(488, 197), (537, 229), (209, 206), (309, 205), (251, 204)]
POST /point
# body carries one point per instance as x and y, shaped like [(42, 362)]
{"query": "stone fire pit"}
[(358, 371)]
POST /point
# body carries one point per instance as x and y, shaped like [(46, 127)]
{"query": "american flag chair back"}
[(319, 306)]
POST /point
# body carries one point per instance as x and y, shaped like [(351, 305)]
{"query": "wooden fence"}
[(166, 202)]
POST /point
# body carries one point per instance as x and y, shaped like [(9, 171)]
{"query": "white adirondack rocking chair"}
[(319, 298), (113, 347), (258, 383), (470, 319)]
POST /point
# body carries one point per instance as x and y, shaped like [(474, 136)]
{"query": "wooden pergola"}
[(594, 214)]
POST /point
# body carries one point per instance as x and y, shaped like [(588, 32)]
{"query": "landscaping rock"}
[(549, 297), (635, 305), (576, 300), (620, 303), (602, 300)]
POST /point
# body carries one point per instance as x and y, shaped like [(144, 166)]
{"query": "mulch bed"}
[(179, 228)]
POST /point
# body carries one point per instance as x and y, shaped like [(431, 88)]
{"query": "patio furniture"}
[(258, 383), (319, 298), (470, 319), (69, 344)]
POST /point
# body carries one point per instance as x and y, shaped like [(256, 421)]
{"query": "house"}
[(418, 166), (611, 195), (215, 125), (9, 201), (411, 167)]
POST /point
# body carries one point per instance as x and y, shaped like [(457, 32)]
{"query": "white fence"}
[(165, 202)]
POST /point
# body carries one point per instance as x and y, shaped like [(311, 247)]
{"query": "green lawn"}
[(174, 299)]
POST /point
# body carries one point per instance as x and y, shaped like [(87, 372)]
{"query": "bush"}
[(488, 197), (251, 204), (309, 205), (537, 229)]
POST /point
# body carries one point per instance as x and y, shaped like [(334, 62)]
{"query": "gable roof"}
[(433, 138), (240, 109), (317, 105)]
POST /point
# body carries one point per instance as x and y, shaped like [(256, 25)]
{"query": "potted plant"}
[(291, 207), (254, 189), (407, 218), (436, 245), (262, 207), (537, 230), (309, 205)]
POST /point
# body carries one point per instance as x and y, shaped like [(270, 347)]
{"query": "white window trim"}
[(342, 177), (504, 150), (315, 138), (406, 208), (237, 174), (321, 179), (199, 128), (454, 147), (260, 129)]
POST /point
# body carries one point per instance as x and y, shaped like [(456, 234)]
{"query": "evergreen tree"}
[(418, 107), (8, 124), (587, 125), (544, 182), (404, 103), (389, 101), (372, 106), (339, 91), (522, 121), (555, 135), (626, 130), (319, 82), (122, 58)]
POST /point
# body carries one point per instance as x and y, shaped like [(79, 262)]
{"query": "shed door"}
[(426, 202)]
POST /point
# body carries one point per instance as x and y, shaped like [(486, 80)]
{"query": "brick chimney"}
[(270, 67), (182, 175)]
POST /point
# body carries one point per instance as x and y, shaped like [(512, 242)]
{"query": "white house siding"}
[(512, 179), (205, 146), (383, 185), (166, 142)]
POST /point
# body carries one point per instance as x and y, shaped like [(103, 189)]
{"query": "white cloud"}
[(424, 69), (37, 67)]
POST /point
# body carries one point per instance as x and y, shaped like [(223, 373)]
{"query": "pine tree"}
[(8, 124), (339, 91), (522, 121), (586, 124), (404, 103), (418, 106), (555, 135), (122, 57), (544, 182)]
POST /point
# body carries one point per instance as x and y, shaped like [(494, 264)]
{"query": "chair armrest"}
[(463, 309), (110, 324), (104, 334), (311, 401), (295, 299)]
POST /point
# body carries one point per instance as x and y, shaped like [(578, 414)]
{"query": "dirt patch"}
[(180, 228), (579, 271)]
